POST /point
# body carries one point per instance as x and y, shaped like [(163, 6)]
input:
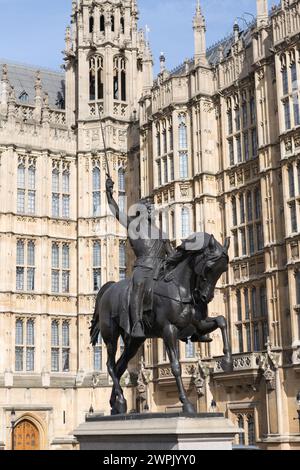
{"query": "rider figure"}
[(151, 249)]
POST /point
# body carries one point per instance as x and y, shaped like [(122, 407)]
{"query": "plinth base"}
[(176, 431)]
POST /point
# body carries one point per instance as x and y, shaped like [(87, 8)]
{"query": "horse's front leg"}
[(212, 324), (227, 361), (170, 335)]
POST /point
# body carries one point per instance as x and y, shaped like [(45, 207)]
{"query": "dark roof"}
[(22, 78)]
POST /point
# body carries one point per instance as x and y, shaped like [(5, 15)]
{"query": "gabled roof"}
[(23, 77)]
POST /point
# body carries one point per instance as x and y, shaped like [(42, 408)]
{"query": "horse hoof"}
[(189, 408), (227, 364)]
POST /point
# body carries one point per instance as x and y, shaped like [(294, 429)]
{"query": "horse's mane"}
[(183, 254)]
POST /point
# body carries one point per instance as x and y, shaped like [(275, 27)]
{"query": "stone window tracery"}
[(26, 186), (60, 273), (97, 266), (60, 346), (119, 78), (96, 78), (25, 265), (24, 345)]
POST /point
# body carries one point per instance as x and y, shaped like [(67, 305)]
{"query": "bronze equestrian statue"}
[(167, 297)]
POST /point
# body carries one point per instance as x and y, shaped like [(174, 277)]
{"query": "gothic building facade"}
[(216, 142)]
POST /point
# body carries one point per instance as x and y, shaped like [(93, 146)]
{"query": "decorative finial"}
[(4, 73)]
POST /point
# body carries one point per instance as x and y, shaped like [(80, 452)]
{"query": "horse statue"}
[(175, 309)]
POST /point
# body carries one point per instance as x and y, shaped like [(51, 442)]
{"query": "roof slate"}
[(22, 78)]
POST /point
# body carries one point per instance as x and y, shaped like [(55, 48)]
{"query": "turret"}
[(262, 13), (199, 27)]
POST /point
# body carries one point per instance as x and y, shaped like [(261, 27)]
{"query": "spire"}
[(199, 27), (262, 13)]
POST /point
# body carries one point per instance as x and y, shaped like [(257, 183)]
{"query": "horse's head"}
[(209, 265)]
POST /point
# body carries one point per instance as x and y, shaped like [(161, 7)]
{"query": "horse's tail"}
[(95, 328)]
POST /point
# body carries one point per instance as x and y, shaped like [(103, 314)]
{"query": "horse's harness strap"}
[(184, 301)]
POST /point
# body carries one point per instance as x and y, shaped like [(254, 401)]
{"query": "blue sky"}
[(32, 31)]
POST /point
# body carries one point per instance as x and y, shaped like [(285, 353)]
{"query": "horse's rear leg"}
[(118, 402), (227, 361), (170, 338)]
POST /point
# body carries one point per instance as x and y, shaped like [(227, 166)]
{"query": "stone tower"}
[(105, 56)]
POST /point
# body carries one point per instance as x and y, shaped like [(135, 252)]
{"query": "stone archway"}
[(26, 436)]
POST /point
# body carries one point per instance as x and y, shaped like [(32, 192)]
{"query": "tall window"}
[(159, 178), (122, 189), (112, 20), (182, 132), (25, 265), (26, 188), (293, 215), (245, 114), (285, 83), (297, 277), (60, 346), (254, 143), (257, 198), (183, 164), (122, 23), (245, 421), (249, 207), (252, 320), (229, 121), (287, 114), (91, 24), (119, 79), (24, 346), (96, 78), (96, 192), (237, 120), (234, 212), (231, 152), (296, 109), (239, 149), (122, 261), (60, 268), (242, 209), (96, 266), (252, 110), (158, 142), (102, 23), (185, 222), (98, 355), (60, 192), (246, 144), (294, 76)]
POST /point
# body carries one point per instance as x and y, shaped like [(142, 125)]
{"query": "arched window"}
[(173, 227), (122, 23), (119, 79), (182, 132), (91, 24), (185, 222), (96, 191), (96, 78), (102, 23), (21, 189), (112, 23)]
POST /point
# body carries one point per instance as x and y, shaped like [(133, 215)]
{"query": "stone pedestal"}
[(176, 431)]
